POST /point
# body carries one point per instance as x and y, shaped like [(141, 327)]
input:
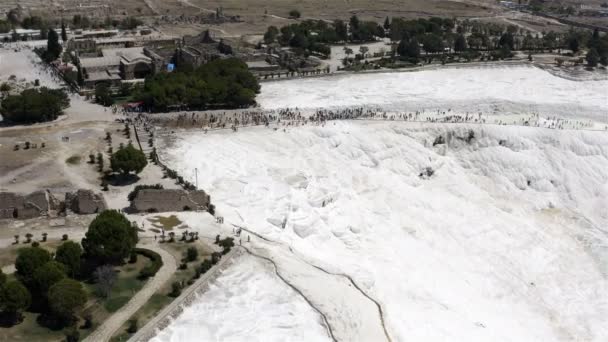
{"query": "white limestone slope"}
[(505, 242), (496, 89), (246, 303)]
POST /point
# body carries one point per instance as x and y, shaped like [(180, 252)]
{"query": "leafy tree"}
[(341, 30), (65, 298), (80, 77), (47, 275), (14, 299), (64, 35), (69, 254), (295, 14), (110, 238), (271, 34), (592, 57), (387, 23), (191, 254), (460, 44), (127, 160), (105, 277), (432, 43), (219, 83), (53, 48), (508, 40), (574, 43), (2, 278), (409, 49), (28, 261), (34, 105), (103, 96)]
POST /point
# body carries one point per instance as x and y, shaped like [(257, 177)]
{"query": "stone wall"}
[(20, 206), (43, 203), (85, 202), (163, 200)]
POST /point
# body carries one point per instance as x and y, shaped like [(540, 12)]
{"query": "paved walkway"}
[(105, 331)]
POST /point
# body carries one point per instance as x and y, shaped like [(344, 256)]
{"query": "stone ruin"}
[(38, 203), (42, 203), (85, 202), (164, 200)]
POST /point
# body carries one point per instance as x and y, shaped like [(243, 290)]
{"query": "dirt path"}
[(109, 327)]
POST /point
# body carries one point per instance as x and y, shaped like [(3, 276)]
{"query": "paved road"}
[(105, 331)]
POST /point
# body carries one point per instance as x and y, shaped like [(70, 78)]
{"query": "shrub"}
[(295, 14), (183, 266), (176, 289), (132, 326), (150, 270), (133, 257), (191, 254), (133, 194)]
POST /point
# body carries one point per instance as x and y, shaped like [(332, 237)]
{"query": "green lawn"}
[(29, 330)]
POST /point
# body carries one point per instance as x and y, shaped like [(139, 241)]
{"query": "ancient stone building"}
[(85, 202), (19, 206), (163, 200)]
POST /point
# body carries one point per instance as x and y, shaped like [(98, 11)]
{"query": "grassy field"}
[(29, 330)]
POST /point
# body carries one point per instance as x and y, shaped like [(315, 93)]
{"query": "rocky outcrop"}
[(85, 202), (36, 204), (163, 200)]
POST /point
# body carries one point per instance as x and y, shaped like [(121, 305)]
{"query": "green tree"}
[(460, 44), (103, 96), (110, 238), (69, 254), (271, 34), (574, 43), (28, 261), (80, 77), (47, 275), (53, 48), (128, 159), (14, 299), (65, 298), (409, 49), (2, 278), (592, 57), (191, 254), (34, 105), (64, 35), (341, 30), (432, 43), (295, 14), (387, 23)]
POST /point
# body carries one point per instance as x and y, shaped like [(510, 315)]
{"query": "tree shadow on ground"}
[(121, 180)]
